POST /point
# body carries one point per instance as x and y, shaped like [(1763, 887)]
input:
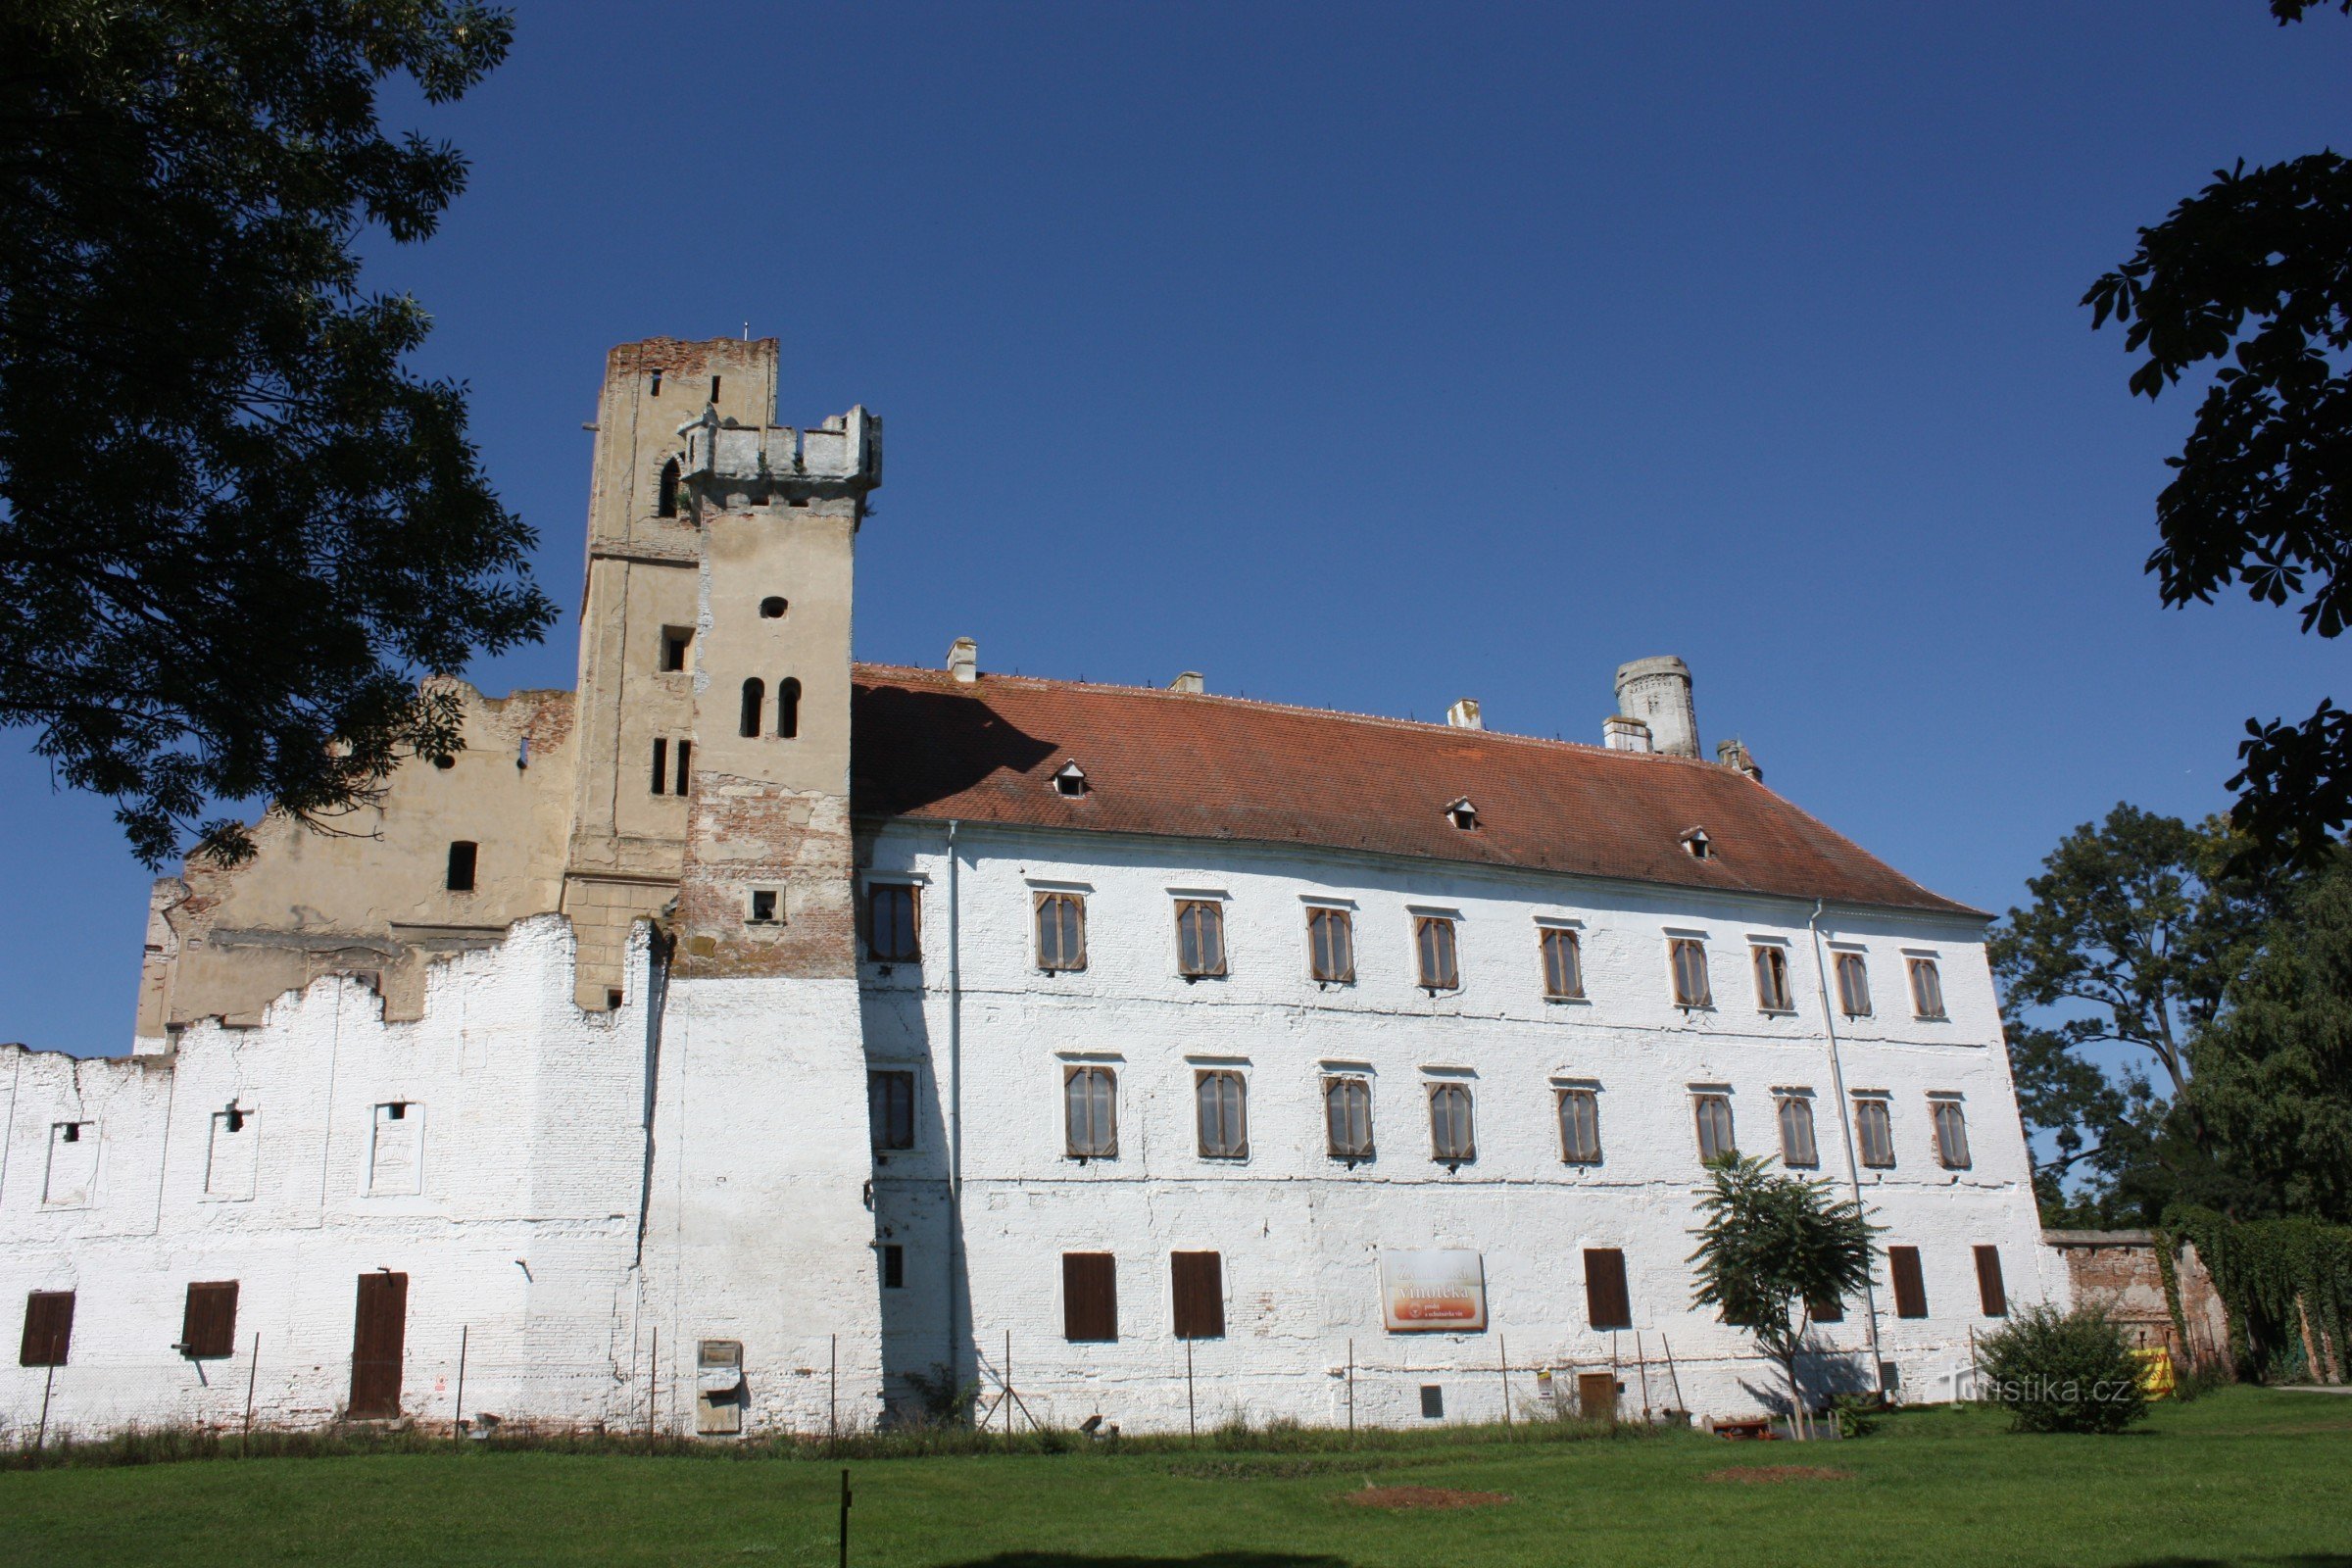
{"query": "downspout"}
[(955, 1334), (1845, 1129)]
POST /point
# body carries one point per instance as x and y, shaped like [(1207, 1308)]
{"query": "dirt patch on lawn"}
[(1423, 1498), (1766, 1474)]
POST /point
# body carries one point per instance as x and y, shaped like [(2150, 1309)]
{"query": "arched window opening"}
[(668, 504), (788, 708), (755, 702)]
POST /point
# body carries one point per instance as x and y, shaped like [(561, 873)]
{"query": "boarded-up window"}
[(893, 924), (1992, 1295), (378, 1339), (1090, 1297), (396, 1148), (1222, 1099), (889, 1108), (1873, 1133), (1910, 1287), (1606, 1301), (1433, 939), (1452, 1139), (1060, 931), (1926, 989), (1199, 1279), (208, 1324), (1331, 945), (1853, 985), (1688, 957), (1714, 1116), (1580, 1127), (1347, 1119), (1199, 938), (48, 1329), (1951, 1135), (73, 1173), (1797, 1150), (232, 1156), (1090, 1103), (1563, 966), (1772, 978)]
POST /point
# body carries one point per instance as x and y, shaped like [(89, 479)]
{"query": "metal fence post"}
[(253, 1372), (457, 1414)]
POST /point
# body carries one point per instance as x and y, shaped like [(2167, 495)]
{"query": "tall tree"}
[(2254, 272), (1771, 1247), (235, 530)]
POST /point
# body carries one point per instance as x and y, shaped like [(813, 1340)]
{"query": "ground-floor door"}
[(1597, 1395), (379, 1336)]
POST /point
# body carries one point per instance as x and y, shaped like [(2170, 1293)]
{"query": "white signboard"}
[(1433, 1292)]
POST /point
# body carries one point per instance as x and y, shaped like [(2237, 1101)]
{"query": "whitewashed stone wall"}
[(1299, 1233)]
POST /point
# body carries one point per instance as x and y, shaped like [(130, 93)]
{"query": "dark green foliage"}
[(2254, 274), (2058, 1371), (1769, 1246), (235, 530), (1857, 1416), (2265, 1271)]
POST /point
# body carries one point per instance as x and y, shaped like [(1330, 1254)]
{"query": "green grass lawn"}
[(2243, 1476)]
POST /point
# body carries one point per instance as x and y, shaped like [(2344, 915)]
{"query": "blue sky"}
[(1372, 356)]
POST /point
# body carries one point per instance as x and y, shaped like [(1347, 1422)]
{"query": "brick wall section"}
[(2118, 1272), (746, 834)]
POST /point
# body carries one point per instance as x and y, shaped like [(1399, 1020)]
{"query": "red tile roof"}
[(1176, 764)]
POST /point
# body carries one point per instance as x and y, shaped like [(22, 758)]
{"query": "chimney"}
[(1658, 692), (1191, 681), (963, 660), (1464, 715), (1622, 734), (1734, 754)]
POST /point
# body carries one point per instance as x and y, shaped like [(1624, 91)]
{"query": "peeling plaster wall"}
[(1299, 1233)]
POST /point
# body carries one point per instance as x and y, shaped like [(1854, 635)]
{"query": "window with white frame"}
[(1580, 1126), (1221, 1099), (1090, 1111)]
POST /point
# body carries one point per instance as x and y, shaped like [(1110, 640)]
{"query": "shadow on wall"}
[(910, 1201)]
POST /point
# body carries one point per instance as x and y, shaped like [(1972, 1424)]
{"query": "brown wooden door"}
[(1597, 1395), (378, 1335)]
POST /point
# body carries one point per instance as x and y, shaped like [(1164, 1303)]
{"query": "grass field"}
[(2243, 1476)]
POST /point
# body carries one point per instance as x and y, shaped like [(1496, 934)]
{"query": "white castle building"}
[(755, 1041)]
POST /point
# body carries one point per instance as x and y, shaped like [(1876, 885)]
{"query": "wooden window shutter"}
[(208, 1326), (1989, 1289), (1605, 1295), (1090, 1297), (1200, 1295), (1910, 1287), (48, 1328)]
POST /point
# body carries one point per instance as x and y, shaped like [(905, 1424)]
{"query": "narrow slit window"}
[(1451, 1137), (754, 706), (1874, 1132), (892, 923), (678, 783), (1331, 946), (1926, 989), (1853, 985), (1797, 1148), (1580, 1127), (1772, 979), (1715, 1138), (1688, 957), (661, 766), (1199, 938), (1223, 1102), (657, 390), (894, 1266), (1090, 1103), (788, 708), (1060, 931), (1563, 966), (463, 854), (714, 389), (1347, 1119), (1432, 938)]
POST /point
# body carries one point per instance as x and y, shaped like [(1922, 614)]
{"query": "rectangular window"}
[(208, 1323), (1060, 931), (894, 1266), (677, 784), (889, 1108), (1433, 939), (1910, 1287), (1607, 1300), (1797, 1151), (1714, 1112), (1563, 966), (677, 642), (1199, 938), (1580, 1127), (48, 1329), (1951, 1135), (396, 1148), (892, 923), (661, 765), (1347, 1119), (1222, 1100), (1990, 1294), (1090, 1296), (462, 856), (1450, 1137), (1853, 985), (1089, 1101), (1926, 989), (1331, 946), (763, 907), (1772, 978), (1688, 957), (1200, 1295), (1874, 1132)]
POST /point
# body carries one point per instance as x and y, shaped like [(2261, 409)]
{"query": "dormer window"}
[(1462, 814), (1697, 845), (1070, 780)]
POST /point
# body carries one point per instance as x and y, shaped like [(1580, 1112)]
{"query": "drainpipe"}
[(1845, 1128), (956, 1334)]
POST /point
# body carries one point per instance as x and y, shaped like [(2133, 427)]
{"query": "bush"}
[(2058, 1371), (1857, 1414)]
